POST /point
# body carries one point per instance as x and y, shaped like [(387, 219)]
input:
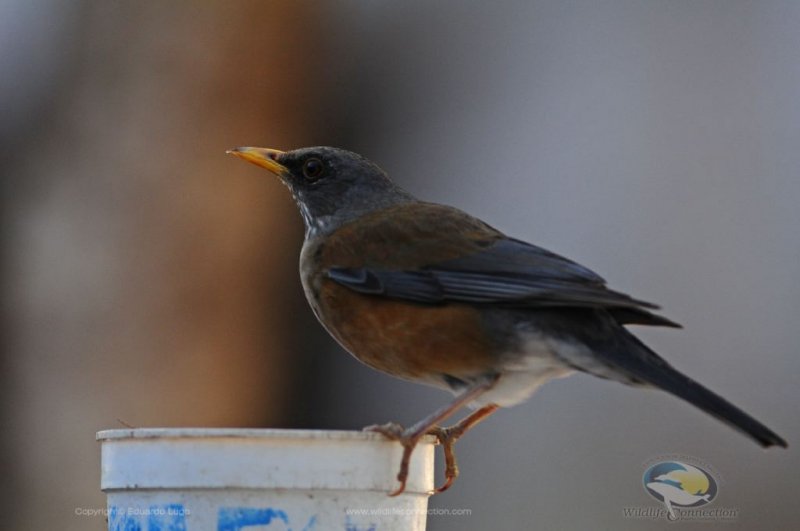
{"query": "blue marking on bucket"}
[(171, 517), (350, 526), (236, 518), (120, 520)]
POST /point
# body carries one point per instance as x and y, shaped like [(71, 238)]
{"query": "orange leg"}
[(410, 437), (448, 437)]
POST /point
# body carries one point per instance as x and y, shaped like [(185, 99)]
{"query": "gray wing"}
[(508, 272)]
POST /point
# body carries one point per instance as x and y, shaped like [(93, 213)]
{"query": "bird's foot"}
[(408, 439), (447, 437)]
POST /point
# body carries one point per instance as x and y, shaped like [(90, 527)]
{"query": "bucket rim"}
[(245, 433)]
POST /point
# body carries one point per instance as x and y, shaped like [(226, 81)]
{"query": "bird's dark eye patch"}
[(313, 169)]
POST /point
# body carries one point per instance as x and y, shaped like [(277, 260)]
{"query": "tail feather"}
[(647, 366)]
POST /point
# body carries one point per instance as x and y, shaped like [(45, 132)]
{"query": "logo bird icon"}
[(679, 484)]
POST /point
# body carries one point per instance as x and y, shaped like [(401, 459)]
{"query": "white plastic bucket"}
[(197, 479)]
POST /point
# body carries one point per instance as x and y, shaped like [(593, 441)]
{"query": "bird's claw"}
[(395, 432), (447, 437)]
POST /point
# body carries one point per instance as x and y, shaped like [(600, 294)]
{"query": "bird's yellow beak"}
[(264, 157)]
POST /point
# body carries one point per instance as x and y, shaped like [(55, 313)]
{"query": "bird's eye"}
[(313, 169)]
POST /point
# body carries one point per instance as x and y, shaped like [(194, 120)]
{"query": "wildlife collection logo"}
[(679, 484), (685, 487)]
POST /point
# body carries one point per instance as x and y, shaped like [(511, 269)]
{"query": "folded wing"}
[(508, 272)]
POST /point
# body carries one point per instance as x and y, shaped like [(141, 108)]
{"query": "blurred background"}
[(148, 279)]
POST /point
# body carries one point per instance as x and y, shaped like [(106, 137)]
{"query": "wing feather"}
[(508, 272)]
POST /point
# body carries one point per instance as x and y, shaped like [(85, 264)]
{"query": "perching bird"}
[(428, 293)]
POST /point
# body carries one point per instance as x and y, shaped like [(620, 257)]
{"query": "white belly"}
[(530, 369)]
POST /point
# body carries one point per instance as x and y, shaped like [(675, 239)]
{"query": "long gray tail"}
[(645, 365)]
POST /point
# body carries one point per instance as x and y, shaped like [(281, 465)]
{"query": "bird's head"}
[(331, 186)]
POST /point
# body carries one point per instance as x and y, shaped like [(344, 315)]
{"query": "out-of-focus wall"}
[(145, 271)]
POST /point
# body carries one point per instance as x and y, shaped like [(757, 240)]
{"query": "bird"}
[(428, 293)]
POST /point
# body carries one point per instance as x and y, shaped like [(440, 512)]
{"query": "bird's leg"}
[(411, 436), (448, 437)]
